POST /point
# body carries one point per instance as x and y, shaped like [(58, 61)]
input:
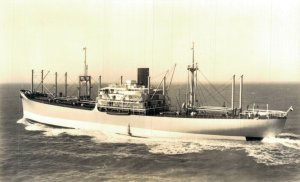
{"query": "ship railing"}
[(202, 115), (132, 108), (66, 98), (213, 108), (263, 114), (121, 101), (121, 104), (87, 101)]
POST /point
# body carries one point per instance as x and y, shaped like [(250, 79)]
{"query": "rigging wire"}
[(201, 94), (42, 80), (171, 77), (225, 88), (188, 89), (226, 84), (216, 100), (47, 90), (159, 85), (214, 88), (159, 75)]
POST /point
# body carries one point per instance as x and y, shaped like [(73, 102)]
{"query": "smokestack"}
[(121, 80), (142, 77)]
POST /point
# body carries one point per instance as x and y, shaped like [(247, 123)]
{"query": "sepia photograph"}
[(150, 90)]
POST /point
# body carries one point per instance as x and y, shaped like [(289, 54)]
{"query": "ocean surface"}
[(33, 152)]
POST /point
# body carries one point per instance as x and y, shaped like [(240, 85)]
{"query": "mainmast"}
[(192, 68)]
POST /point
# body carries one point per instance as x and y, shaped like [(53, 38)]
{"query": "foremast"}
[(86, 80)]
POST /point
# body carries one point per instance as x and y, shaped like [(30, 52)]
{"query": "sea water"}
[(34, 152)]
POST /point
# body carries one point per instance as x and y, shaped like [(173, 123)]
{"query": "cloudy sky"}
[(257, 38)]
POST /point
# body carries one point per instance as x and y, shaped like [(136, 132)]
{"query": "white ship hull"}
[(147, 126)]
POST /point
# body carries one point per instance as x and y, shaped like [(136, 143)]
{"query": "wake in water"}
[(52, 131), (284, 149)]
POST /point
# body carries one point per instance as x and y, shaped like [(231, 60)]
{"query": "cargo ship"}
[(137, 109)]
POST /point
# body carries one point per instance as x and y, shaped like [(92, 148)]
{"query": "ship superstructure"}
[(130, 98)]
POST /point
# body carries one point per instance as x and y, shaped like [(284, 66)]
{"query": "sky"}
[(257, 38)]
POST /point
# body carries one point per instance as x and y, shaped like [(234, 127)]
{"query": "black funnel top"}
[(142, 77)]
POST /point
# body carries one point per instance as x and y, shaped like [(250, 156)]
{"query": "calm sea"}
[(32, 152)]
